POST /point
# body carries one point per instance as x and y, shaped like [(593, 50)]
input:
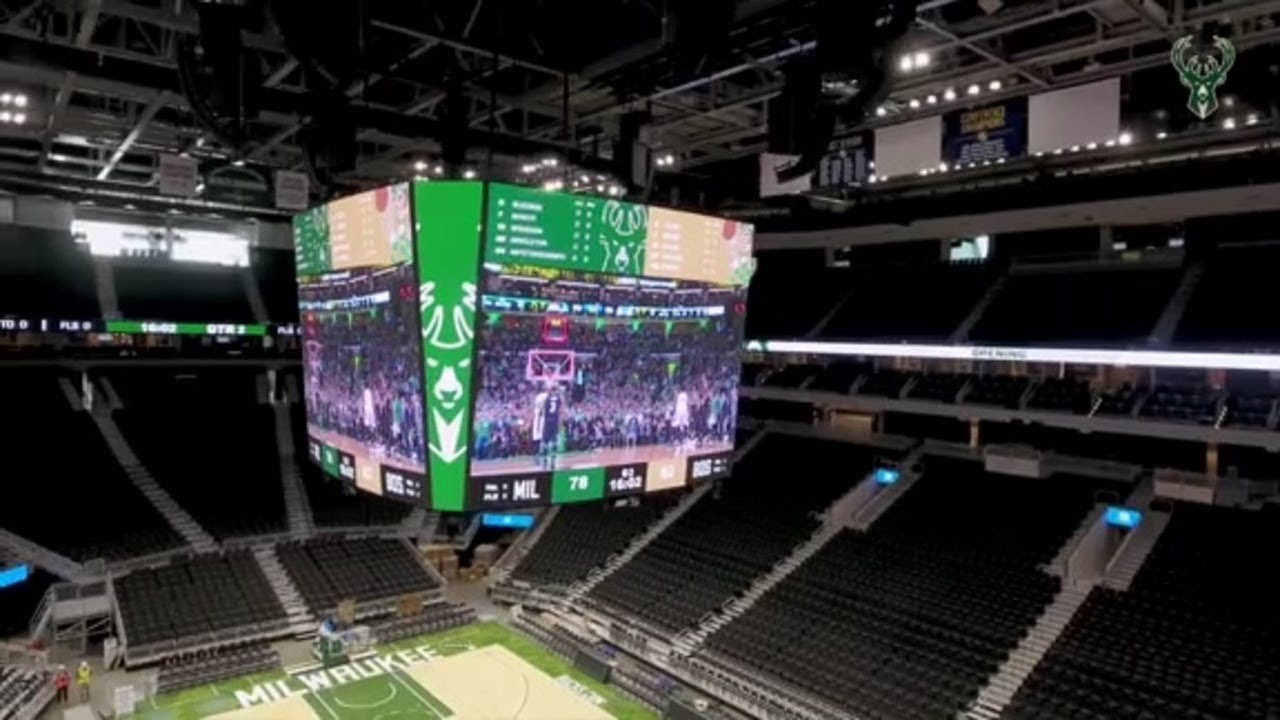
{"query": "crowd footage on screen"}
[(632, 384), (363, 369)]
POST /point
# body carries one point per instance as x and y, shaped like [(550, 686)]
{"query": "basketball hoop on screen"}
[(549, 365)]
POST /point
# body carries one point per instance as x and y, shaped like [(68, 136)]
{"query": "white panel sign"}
[(770, 164), (292, 190), (179, 175), (908, 148), (1078, 356), (1075, 116)]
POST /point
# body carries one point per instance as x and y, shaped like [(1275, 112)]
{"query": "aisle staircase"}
[(688, 642), (961, 333), (42, 557), (1004, 684), (298, 508), (585, 585), (104, 284), (521, 547), (1168, 321), (72, 394), (302, 623), (1133, 552), (253, 294), (887, 495), (1058, 566), (185, 525)]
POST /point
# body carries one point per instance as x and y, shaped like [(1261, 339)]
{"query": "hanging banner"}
[(845, 165), (292, 190), (179, 175), (985, 134)]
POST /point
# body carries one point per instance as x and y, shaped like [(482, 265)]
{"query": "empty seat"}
[(1196, 635), (714, 551)]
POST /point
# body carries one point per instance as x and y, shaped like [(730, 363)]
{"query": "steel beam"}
[(143, 120), (88, 22)]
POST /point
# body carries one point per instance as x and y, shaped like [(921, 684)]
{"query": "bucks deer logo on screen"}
[(626, 228), (1203, 72), (448, 328)]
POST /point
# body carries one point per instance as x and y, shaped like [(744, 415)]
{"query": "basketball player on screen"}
[(680, 420), (546, 424)]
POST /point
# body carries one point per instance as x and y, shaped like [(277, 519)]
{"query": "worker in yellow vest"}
[(84, 675)]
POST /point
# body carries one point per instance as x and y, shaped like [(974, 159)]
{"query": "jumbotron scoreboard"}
[(477, 346)]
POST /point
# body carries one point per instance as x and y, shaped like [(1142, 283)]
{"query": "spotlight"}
[(6, 116), (1091, 146), (881, 111), (906, 63), (550, 162), (238, 162), (974, 89), (1162, 135), (922, 59), (528, 169), (949, 94), (6, 98), (1229, 124), (995, 85), (19, 118), (1075, 148), (438, 170), (20, 100), (420, 166), (932, 99), (1252, 119), (1126, 138), (914, 104), (1110, 143), (469, 174), (943, 167)]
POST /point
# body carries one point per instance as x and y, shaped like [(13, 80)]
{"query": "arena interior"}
[(1007, 419)]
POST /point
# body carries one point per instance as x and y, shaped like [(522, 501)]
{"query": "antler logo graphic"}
[(448, 330), (624, 219), (1202, 72)]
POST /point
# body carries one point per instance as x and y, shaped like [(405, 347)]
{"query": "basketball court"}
[(489, 683), (478, 672)]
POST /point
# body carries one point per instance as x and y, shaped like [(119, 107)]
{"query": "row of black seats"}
[(185, 672), (328, 571), (19, 689), (69, 471), (433, 619), (909, 619), (713, 552), (582, 537), (206, 439), (1194, 638), (190, 599)]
